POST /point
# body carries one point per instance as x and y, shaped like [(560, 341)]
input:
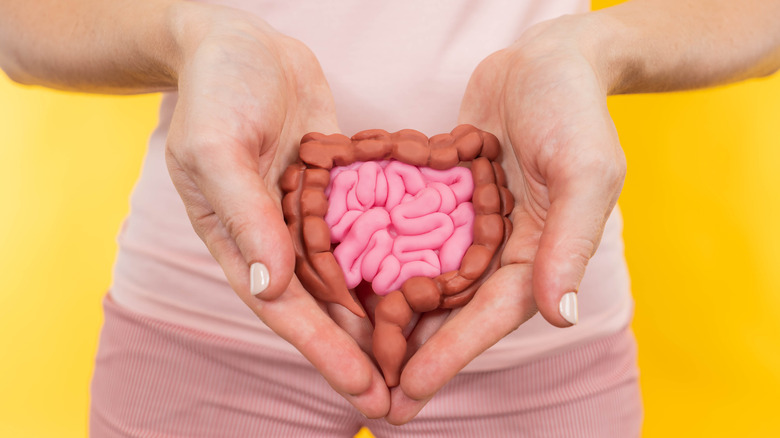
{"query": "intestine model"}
[(423, 221)]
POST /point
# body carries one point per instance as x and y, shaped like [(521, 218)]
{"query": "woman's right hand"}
[(247, 94)]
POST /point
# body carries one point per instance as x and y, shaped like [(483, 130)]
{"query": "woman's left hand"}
[(547, 105)]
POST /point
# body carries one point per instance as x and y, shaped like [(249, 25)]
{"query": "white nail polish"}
[(258, 278), (568, 307)]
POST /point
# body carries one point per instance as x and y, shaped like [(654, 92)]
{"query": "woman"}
[(179, 354)]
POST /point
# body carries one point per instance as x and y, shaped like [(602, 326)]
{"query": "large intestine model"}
[(421, 220)]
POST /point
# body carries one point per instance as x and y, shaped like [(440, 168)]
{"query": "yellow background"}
[(702, 212)]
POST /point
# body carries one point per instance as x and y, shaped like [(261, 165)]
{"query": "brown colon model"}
[(305, 204)]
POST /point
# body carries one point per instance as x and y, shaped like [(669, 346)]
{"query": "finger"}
[(329, 348), (360, 329), (579, 209), (226, 197), (375, 401), (428, 324), (500, 305), (296, 316), (403, 408)]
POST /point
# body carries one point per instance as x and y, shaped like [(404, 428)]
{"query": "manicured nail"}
[(258, 278), (568, 307)]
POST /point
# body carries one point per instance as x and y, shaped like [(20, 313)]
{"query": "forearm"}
[(663, 45), (673, 44), (118, 46)]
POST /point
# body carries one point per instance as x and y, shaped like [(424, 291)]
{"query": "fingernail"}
[(258, 278), (568, 307)]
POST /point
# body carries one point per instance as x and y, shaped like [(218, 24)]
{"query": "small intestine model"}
[(421, 221)]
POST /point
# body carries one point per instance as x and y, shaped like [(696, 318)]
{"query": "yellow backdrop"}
[(702, 213)]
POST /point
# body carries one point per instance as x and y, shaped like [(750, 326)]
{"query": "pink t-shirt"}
[(391, 65)]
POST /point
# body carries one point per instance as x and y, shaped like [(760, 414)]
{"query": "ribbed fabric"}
[(157, 379)]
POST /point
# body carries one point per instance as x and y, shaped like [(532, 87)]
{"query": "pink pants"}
[(156, 379)]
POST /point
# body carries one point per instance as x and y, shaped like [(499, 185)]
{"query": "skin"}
[(228, 143), (237, 122), (234, 130), (544, 97)]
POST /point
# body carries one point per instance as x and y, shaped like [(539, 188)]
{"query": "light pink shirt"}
[(391, 65)]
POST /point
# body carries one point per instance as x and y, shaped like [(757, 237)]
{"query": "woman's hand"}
[(545, 99), (546, 104), (247, 94)]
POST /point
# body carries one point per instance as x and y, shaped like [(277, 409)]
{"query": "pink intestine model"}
[(421, 220), (394, 221)]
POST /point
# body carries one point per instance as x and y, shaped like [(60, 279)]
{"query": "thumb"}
[(579, 209), (253, 219), (233, 212)]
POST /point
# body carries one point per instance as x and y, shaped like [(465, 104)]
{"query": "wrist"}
[(186, 24), (192, 26), (155, 48), (591, 38), (641, 47), (603, 40)]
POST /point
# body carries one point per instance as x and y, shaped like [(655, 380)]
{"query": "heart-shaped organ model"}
[(422, 220)]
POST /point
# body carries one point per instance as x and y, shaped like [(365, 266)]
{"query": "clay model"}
[(421, 221)]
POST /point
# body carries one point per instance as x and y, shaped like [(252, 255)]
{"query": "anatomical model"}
[(420, 221)]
